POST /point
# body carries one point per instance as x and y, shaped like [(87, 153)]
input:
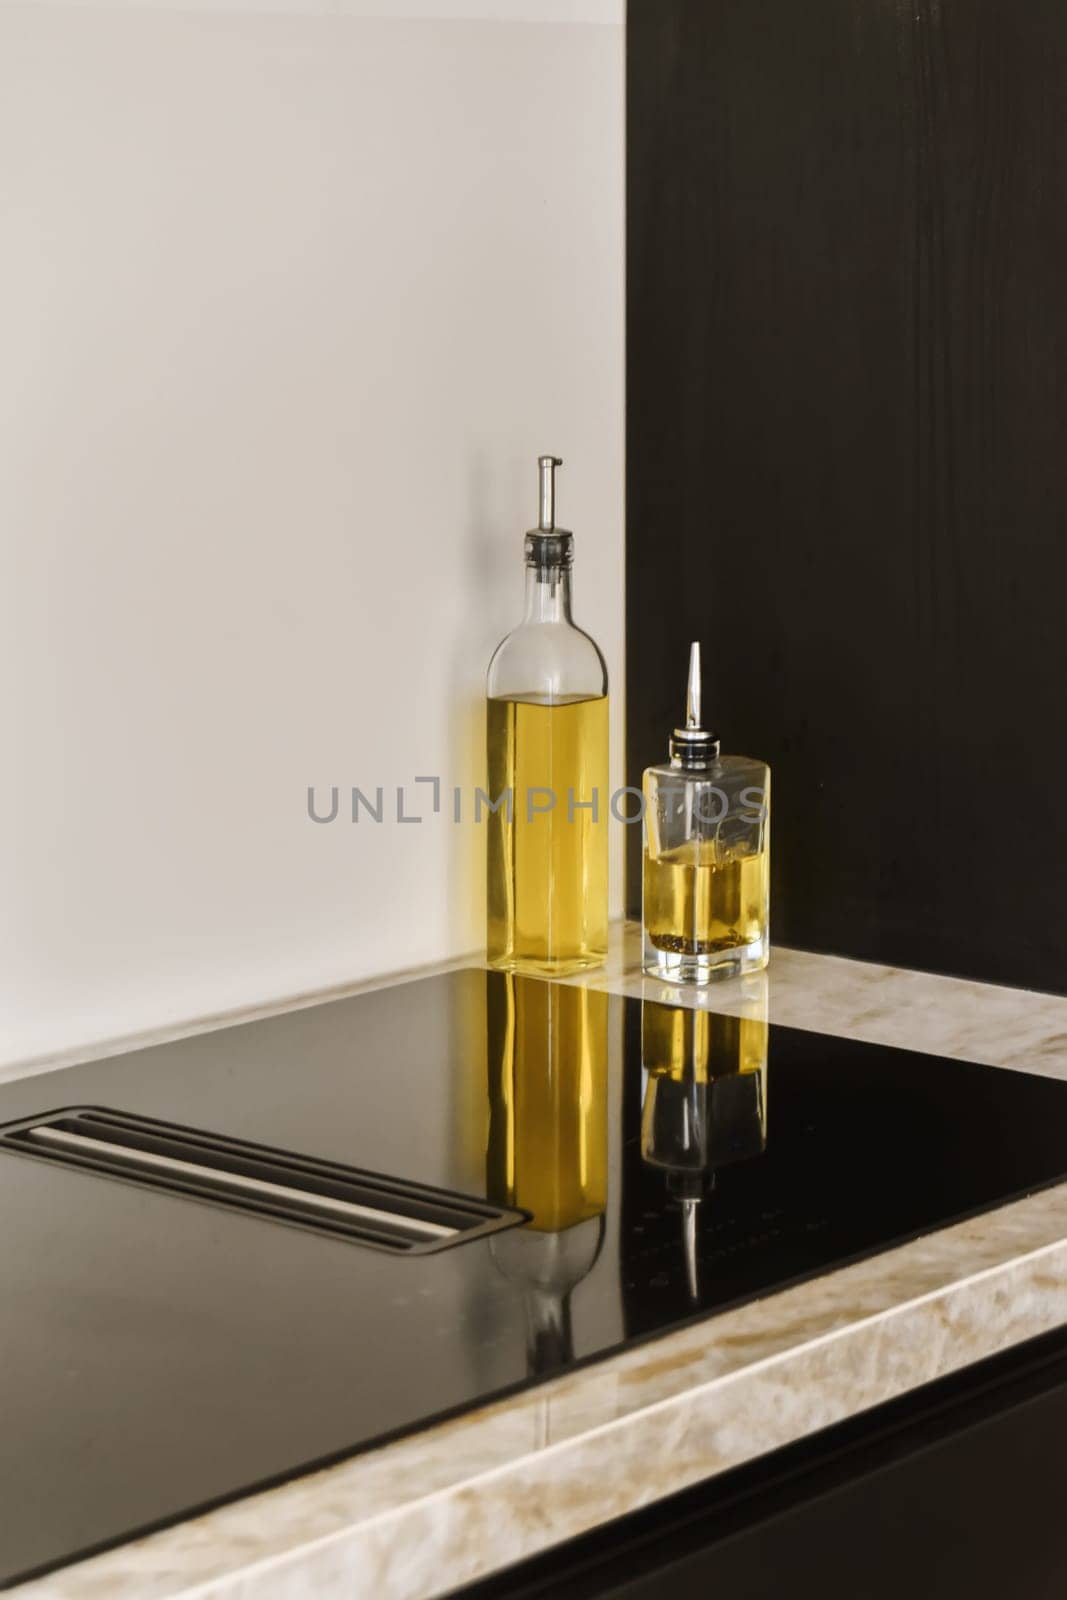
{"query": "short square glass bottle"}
[(706, 880)]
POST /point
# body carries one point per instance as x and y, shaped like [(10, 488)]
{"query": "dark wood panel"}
[(847, 452)]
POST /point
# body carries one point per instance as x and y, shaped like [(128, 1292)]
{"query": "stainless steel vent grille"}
[(386, 1213)]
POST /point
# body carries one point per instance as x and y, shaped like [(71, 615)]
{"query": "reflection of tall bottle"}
[(704, 1103), (548, 1052)]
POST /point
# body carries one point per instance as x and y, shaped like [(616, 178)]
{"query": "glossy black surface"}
[(160, 1353)]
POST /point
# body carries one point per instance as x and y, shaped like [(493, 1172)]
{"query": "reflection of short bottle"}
[(704, 1103), (547, 1153), (706, 1096)]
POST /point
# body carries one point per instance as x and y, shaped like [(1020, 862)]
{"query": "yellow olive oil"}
[(697, 903), (548, 833)]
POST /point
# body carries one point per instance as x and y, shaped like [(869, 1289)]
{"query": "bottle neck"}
[(548, 594)]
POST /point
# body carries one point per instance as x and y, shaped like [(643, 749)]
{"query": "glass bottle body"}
[(547, 746), (706, 869)]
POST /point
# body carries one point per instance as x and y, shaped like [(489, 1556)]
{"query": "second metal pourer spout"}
[(693, 745), (692, 694)]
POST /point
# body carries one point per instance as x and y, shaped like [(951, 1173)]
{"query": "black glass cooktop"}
[(186, 1315)]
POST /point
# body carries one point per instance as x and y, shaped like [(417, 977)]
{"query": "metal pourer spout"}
[(692, 693), (547, 547), (546, 466), (693, 746)]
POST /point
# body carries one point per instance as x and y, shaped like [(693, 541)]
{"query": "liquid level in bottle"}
[(548, 862), (696, 903)]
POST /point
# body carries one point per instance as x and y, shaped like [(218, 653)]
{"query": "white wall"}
[(288, 305)]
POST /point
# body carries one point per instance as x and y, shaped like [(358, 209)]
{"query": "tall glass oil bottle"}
[(547, 727)]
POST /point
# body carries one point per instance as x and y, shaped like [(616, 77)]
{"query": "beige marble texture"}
[(986, 1022), (440, 1508)]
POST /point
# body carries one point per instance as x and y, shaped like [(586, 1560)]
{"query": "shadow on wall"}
[(491, 566)]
